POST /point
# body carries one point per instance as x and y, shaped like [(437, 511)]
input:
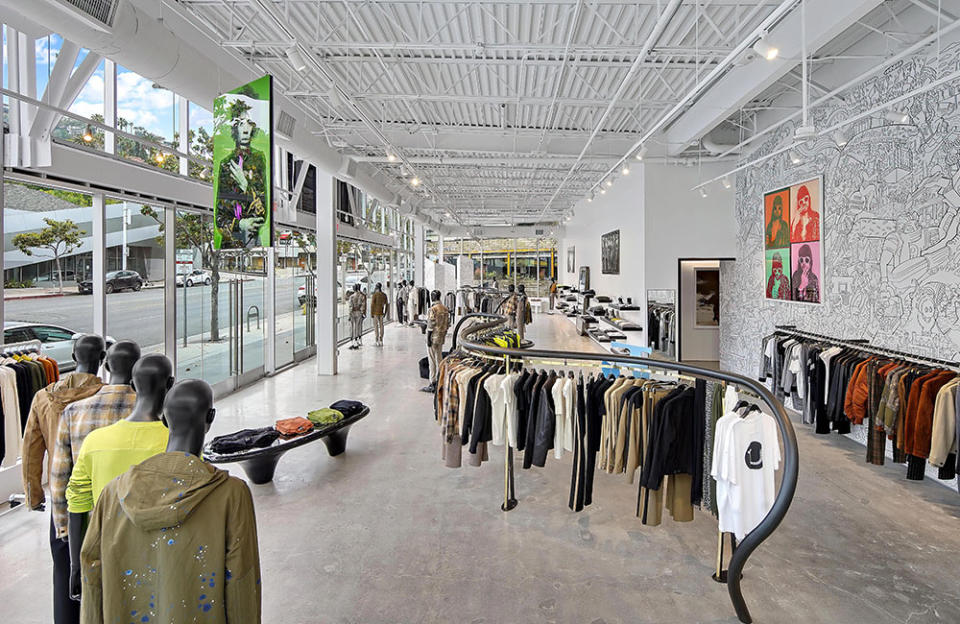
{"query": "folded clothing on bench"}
[(294, 426), (244, 440), (325, 416), (348, 408)]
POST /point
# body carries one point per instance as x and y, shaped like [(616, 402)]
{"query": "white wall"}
[(696, 343), (660, 221), (682, 224), (621, 208)]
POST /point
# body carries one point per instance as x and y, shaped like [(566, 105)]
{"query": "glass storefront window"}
[(42, 298), (147, 110), (134, 273)]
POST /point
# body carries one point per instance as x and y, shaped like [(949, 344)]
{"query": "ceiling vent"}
[(97, 13), (285, 125)]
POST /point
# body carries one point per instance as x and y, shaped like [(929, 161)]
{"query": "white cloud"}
[(87, 109), (140, 103)]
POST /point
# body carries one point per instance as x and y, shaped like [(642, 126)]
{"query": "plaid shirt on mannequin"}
[(112, 403)]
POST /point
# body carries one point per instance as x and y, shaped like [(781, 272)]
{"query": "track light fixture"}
[(391, 157), (415, 181), (626, 170), (764, 49), (897, 117), (795, 157), (641, 153), (296, 58), (703, 192), (88, 134), (841, 138), (609, 182), (603, 191), (726, 182)]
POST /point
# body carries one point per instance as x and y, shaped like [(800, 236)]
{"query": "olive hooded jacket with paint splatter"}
[(173, 539)]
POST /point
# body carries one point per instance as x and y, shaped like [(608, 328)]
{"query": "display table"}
[(259, 464)]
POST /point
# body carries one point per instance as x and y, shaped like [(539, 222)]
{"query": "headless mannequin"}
[(121, 361)]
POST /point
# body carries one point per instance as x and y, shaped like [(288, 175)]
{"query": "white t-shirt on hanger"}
[(745, 460)]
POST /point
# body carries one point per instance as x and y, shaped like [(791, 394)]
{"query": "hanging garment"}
[(170, 538), (40, 433), (111, 403)]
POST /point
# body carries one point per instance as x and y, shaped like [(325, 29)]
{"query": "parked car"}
[(115, 281), (56, 342), (194, 278)]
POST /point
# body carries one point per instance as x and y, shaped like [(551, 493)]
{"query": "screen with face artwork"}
[(242, 160), (792, 237)]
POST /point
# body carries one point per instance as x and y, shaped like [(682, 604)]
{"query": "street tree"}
[(192, 231), (59, 238)]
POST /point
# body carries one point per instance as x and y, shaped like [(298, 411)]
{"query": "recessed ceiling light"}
[(296, 58), (764, 49)]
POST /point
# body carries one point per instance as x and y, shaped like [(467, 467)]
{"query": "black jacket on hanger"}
[(546, 423)]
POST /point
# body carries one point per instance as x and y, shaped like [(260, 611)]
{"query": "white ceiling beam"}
[(479, 49), (489, 99), (826, 19)]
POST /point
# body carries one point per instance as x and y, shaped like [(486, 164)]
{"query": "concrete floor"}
[(385, 533)]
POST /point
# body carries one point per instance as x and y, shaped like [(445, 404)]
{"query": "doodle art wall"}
[(891, 224)]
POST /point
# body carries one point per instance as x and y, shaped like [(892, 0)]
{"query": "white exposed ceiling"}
[(510, 112)]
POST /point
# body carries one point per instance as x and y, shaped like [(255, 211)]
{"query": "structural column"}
[(170, 293), (326, 277), (99, 253), (418, 251)]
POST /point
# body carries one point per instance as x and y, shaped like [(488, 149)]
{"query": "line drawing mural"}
[(890, 235)]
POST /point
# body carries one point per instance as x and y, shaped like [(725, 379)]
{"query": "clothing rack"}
[(27, 346), (790, 460), (863, 344)]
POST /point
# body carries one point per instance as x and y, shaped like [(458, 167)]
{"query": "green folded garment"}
[(325, 416)]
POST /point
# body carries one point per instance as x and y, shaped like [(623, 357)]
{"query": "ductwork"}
[(146, 45), (718, 148)]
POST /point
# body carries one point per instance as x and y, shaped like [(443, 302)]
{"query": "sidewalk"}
[(69, 290)]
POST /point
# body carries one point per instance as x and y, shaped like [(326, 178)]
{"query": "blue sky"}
[(137, 100)]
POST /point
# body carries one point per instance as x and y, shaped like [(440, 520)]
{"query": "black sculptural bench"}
[(260, 463)]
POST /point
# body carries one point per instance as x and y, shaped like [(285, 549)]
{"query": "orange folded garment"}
[(294, 426)]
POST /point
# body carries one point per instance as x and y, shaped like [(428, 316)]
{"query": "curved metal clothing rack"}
[(790, 460)]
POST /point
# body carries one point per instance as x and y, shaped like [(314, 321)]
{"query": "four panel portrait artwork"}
[(792, 218)]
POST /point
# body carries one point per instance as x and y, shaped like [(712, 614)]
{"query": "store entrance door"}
[(245, 320)]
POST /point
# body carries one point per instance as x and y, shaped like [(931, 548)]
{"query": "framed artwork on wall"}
[(707, 312), (792, 240), (571, 259), (610, 253)]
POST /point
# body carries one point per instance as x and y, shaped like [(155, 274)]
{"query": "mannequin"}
[(509, 307), (438, 322), (40, 439), (358, 310), (413, 303), (173, 502), (402, 302), (152, 377), (89, 352), (522, 305), (378, 309), (553, 293), (113, 401)]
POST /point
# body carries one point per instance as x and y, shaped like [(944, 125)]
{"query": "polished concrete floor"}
[(386, 534)]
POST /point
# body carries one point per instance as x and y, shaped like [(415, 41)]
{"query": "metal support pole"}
[(99, 252), (509, 500)]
